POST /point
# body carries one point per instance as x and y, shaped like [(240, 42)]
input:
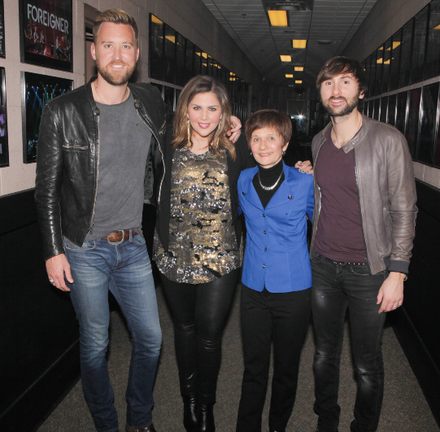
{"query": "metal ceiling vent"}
[(289, 5)]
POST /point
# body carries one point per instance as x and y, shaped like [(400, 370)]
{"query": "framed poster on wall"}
[(4, 156), (2, 30), (37, 90), (46, 33)]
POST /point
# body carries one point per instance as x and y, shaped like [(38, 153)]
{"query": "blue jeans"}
[(336, 288), (124, 269)]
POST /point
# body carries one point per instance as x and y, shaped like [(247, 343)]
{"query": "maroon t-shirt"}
[(339, 235)]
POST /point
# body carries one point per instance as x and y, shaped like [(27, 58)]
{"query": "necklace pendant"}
[(269, 188)]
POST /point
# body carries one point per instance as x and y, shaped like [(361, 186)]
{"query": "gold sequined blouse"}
[(203, 246)]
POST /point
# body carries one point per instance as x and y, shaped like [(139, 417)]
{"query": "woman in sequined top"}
[(197, 239)]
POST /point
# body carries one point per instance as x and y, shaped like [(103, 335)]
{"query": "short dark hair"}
[(272, 119), (116, 16), (339, 65)]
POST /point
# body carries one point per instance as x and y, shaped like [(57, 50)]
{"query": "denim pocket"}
[(86, 246), (364, 270), (315, 257), (138, 239)]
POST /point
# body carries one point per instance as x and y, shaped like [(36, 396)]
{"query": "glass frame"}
[(413, 119), (44, 89), (4, 149), (428, 128), (156, 51), (419, 45), (46, 33), (2, 30)]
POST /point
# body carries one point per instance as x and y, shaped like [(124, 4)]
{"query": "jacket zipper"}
[(314, 230), (160, 149), (360, 208), (97, 171)]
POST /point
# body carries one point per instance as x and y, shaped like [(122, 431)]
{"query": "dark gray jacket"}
[(68, 158), (387, 193)]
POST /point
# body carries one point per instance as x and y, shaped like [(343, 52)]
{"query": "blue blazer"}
[(276, 254)]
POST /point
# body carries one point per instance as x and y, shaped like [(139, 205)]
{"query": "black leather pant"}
[(337, 288), (199, 315)]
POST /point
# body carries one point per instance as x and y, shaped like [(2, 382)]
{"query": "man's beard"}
[(347, 110), (115, 78)]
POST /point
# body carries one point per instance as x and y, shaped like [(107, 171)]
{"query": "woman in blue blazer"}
[(275, 299)]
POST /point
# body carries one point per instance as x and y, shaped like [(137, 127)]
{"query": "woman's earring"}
[(188, 128), (284, 153), (252, 155)]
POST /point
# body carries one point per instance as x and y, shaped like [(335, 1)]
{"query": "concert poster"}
[(37, 90), (46, 33)]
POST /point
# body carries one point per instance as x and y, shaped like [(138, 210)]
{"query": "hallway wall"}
[(386, 17)]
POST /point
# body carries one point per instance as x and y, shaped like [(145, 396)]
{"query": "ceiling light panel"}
[(278, 18), (299, 43)]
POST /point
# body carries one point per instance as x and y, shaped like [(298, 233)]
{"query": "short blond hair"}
[(116, 16)]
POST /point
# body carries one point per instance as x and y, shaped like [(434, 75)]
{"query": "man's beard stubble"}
[(347, 110), (114, 78)]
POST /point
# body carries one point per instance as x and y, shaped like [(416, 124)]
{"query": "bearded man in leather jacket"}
[(98, 149), (363, 231)]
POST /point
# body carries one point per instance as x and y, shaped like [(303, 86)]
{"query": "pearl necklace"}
[(269, 188)]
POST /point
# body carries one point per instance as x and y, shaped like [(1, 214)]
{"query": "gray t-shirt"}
[(124, 142)]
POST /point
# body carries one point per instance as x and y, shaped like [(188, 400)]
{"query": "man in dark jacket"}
[(363, 231), (98, 150)]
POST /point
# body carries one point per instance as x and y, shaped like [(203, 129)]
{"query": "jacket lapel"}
[(288, 188), (250, 193)]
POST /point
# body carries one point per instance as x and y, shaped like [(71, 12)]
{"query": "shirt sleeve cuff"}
[(398, 266)]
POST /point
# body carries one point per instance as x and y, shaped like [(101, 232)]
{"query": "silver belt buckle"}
[(116, 242)]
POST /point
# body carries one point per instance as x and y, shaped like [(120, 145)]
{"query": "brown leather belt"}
[(119, 236)]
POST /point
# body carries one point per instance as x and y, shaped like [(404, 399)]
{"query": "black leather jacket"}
[(68, 158)]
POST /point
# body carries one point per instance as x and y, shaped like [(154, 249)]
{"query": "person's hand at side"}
[(390, 295), (58, 269)]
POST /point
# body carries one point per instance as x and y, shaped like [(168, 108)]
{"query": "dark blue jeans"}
[(336, 288), (124, 269)]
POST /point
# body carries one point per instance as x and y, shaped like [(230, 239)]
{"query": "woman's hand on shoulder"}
[(304, 167), (235, 132)]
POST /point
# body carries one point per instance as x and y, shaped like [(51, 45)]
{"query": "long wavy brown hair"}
[(218, 140)]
